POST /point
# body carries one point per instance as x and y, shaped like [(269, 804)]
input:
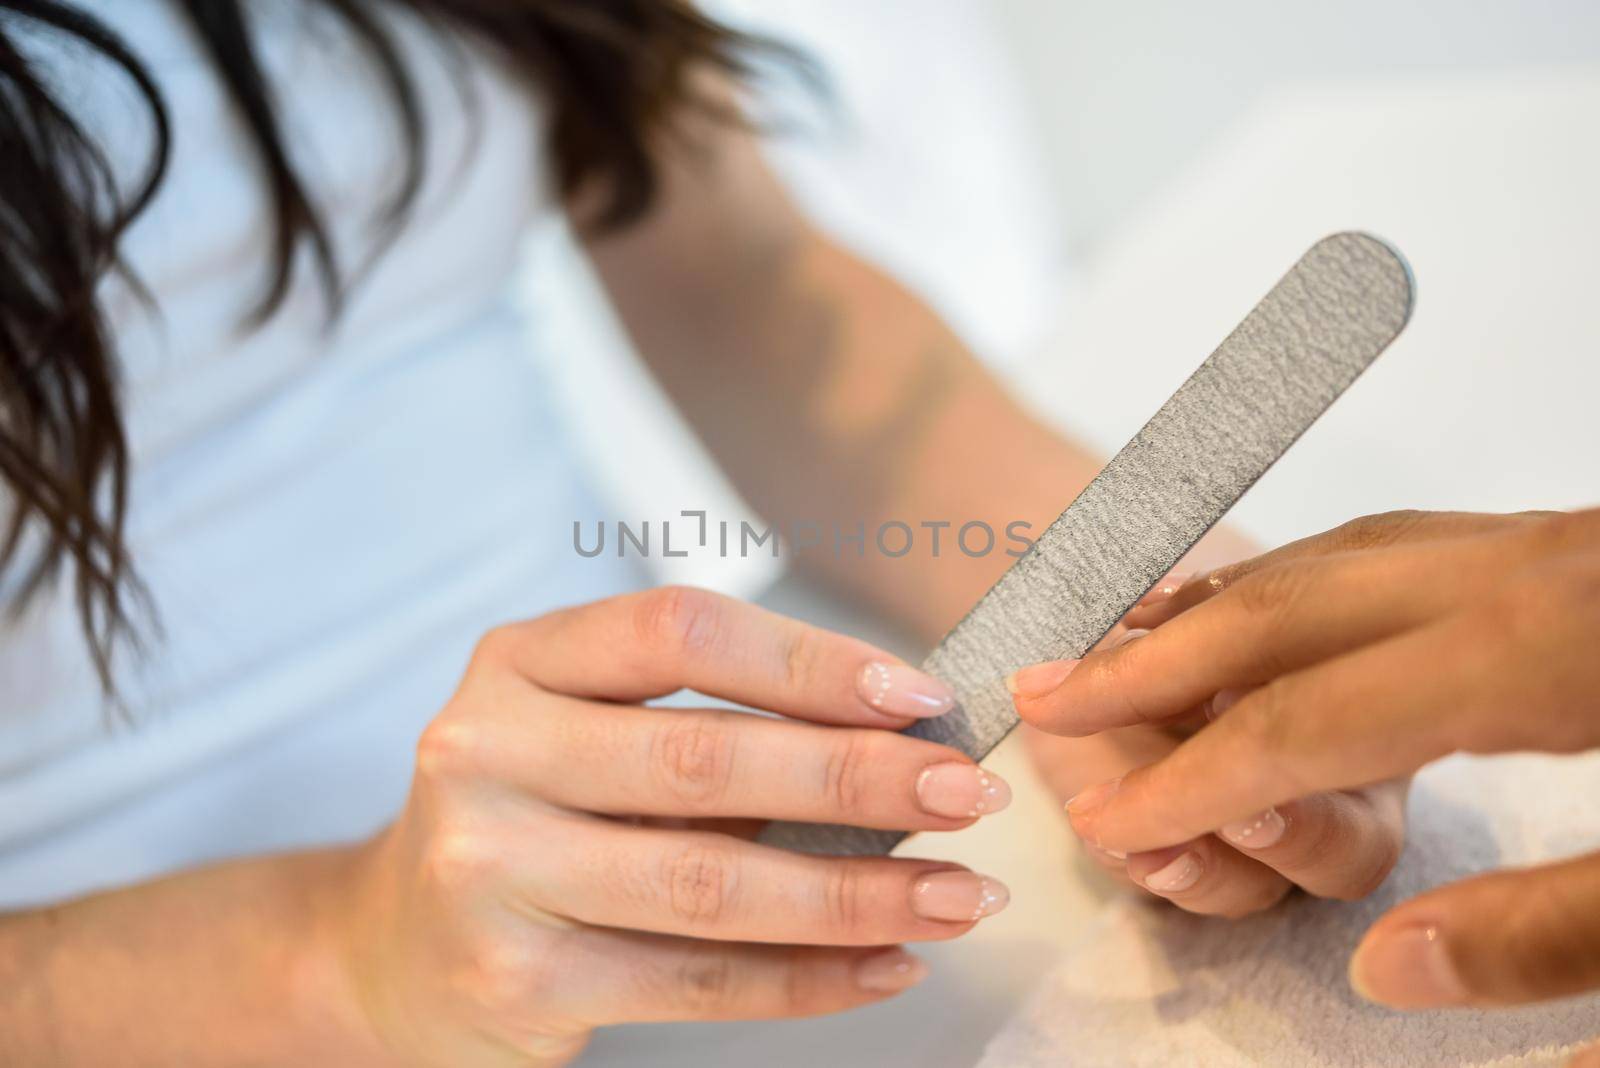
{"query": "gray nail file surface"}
[(1293, 355)]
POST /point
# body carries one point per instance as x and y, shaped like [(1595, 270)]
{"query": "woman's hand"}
[(569, 858), (1344, 661)]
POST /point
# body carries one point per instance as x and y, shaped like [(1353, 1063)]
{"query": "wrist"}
[(322, 994)]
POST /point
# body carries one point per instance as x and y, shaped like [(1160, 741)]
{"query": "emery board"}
[(1292, 356)]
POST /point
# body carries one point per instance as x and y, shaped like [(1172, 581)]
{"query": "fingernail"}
[(1258, 832), (1085, 803), (1164, 592), (1221, 701), (1179, 874), (1408, 969), (1114, 854), (902, 690), (958, 896), (1084, 806), (890, 971), (1131, 635), (961, 791), (1036, 680)]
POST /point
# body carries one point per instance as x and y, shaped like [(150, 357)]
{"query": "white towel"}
[(1154, 986)]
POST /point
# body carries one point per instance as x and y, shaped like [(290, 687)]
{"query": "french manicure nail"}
[(958, 896), (1036, 680), (1129, 636), (902, 690), (1408, 969), (1177, 875), (1257, 832), (1221, 701), (890, 971), (961, 791)]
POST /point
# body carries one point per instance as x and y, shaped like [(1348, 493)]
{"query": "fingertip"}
[(1406, 965), (1039, 680), (890, 971), (902, 691)]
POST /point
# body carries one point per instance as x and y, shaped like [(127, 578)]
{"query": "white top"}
[(326, 517)]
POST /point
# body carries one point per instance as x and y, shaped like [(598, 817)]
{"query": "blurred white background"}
[(1094, 194)]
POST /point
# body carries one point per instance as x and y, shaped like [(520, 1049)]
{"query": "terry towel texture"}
[(1154, 986)]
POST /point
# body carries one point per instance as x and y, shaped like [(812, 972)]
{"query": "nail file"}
[(1291, 357)]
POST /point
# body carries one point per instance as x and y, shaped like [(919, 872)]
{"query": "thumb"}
[(1498, 939)]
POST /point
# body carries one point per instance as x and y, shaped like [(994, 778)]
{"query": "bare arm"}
[(220, 966), (829, 393)]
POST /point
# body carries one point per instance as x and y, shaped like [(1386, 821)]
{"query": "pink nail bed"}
[(1177, 875), (1258, 832), (902, 690), (958, 896), (1221, 701), (961, 791), (1407, 969), (890, 971)]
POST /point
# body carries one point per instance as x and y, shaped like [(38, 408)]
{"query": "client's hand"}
[(1347, 660), (1340, 844), (570, 858)]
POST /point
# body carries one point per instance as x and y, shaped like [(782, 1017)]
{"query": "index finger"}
[(643, 645), (1374, 714), (1386, 529)]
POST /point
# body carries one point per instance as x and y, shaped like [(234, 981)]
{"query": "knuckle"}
[(692, 757), (1559, 530), (495, 648), (1272, 592), (1520, 614), (450, 748), (1375, 531), (503, 975), (458, 858), (800, 654), (1113, 675), (847, 772), (1272, 735), (698, 884), (800, 994), (704, 981), (845, 898), (677, 619), (1357, 850)]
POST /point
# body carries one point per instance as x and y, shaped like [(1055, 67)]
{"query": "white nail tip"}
[(1176, 875), (1259, 833)]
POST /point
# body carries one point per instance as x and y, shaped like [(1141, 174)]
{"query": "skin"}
[(567, 858), (1330, 645)]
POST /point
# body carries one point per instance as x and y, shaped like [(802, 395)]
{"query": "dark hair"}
[(614, 73)]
